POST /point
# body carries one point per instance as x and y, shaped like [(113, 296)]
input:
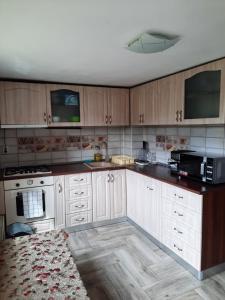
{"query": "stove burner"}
[(26, 171)]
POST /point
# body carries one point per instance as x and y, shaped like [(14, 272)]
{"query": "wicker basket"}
[(122, 160)]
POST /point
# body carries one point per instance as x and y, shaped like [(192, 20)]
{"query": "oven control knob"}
[(17, 184), (41, 182)]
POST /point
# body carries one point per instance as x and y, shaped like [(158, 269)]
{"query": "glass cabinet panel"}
[(65, 106), (202, 95)]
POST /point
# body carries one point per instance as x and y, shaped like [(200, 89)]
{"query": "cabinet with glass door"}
[(65, 105)]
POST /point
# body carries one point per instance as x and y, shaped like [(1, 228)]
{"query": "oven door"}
[(193, 166), (14, 203)]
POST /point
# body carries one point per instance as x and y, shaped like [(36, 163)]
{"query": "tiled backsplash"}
[(40, 146), (43, 146)]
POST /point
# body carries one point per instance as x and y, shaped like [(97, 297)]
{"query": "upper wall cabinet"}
[(142, 108), (106, 106), (95, 106), (23, 104), (202, 94), (65, 105)]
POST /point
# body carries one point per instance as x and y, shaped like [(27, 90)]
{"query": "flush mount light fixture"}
[(152, 42)]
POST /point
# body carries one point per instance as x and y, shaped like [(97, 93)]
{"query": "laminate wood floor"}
[(119, 262)]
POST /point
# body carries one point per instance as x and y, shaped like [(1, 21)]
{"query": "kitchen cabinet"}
[(106, 106), (202, 94), (143, 99), (65, 105), (118, 107), (165, 102), (78, 195), (23, 104), (144, 203), (109, 195), (59, 202)]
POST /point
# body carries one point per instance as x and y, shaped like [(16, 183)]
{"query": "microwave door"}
[(193, 166)]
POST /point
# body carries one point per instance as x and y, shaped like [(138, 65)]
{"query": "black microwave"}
[(204, 167)]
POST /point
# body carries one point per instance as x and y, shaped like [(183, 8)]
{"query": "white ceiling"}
[(84, 41)]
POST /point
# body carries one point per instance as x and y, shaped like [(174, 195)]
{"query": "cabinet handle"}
[(80, 219), (106, 119), (60, 188), (139, 118), (143, 118), (179, 249), (178, 231), (179, 214), (79, 206), (81, 193), (110, 119), (49, 119), (45, 117), (180, 115), (108, 180), (78, 179), (180, 197), (177, 115), (112, 178), (149, 188)]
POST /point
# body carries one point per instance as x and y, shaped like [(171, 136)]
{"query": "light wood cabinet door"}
[(59, 202), (96, 106), (101, 196), (165, 104), (137, 100), (149, 116), (60, 114), (23, 104), (118, 107), (118, 193)]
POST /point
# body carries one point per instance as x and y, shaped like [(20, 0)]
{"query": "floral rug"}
[(39, 266)]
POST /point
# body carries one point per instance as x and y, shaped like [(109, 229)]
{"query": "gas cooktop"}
[(26, 171)]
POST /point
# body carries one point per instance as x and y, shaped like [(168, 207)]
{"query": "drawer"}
[(182, 214), (184, 251), (78, 205), (77, 179), (191, 200), (41, 226), (79, 218), (79, 192), (182, 232)]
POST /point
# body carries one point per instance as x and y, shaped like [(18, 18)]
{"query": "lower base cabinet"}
[(59, 202), (109, 195), (144, 202)]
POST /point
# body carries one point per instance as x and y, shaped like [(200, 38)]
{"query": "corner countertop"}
[(159, 172)]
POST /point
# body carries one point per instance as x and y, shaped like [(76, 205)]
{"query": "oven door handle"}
[(43, 200)]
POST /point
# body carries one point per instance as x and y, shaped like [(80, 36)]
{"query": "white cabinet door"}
[(118, 193), (152, 207), (101, 196), (59, 202), (132, 195)]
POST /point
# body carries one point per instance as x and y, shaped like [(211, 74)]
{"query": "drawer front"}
[(191, 200), (79, 192), (79, 218), (182, 214), (182, 232), (41, 226), (80, 205), (77, 179), (183, 250)]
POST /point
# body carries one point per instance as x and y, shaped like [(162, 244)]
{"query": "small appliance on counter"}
[(143, 155), (206, 167), (174, 161)]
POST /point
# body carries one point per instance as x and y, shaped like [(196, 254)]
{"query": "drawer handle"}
[(79, 180), (80, 219), (149, 188), (80, 206), (179, 214), (179, 249), (178, 231), (81, 193), (180, 197)]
